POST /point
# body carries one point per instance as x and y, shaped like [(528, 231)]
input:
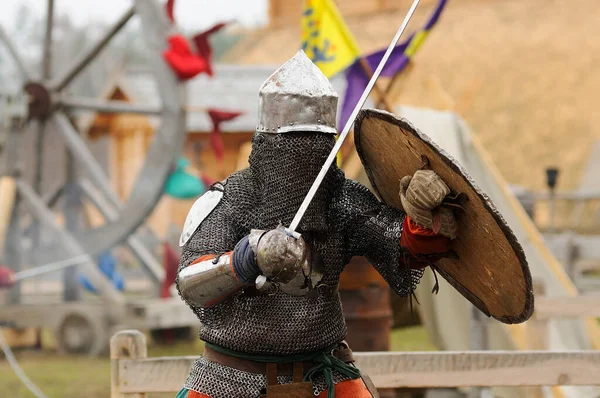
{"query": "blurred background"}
[(116, 115)]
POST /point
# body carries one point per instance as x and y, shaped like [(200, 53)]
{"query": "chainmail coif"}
[(344, 220), (284, 166)]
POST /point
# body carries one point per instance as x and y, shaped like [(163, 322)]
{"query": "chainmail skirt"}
[(220, 381)]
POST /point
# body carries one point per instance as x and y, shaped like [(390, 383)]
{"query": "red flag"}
[(181, 59), (217, 117), (203, 46), (169, 9)]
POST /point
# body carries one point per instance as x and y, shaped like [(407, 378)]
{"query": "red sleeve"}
[(419, 240), (7, 277)]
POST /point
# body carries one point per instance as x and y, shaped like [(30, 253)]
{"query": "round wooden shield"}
[(490, 269)]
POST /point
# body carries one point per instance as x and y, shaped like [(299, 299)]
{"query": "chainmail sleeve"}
[(373, 230), (218, 233), (215, 235)]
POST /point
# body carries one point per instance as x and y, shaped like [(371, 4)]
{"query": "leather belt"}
[(343, 352), (246, 365)]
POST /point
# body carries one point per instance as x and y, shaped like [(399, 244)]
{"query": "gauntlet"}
[(421, 196)]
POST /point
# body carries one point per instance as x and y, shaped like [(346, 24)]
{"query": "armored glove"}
[(277, 257), (278, 254), (421, 196)]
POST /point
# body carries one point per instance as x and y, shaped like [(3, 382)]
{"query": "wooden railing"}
[(135, 375)]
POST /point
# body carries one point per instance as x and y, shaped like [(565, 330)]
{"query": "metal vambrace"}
[(211, 279)]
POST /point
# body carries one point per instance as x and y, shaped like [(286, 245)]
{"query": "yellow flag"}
[(325, 37)]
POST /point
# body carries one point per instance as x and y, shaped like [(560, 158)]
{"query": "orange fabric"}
[(346, 389), (349, 389), (194, 394), (416, 229), (419, 240), (203, 258)]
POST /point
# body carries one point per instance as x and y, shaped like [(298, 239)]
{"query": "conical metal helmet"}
[(297, 97)]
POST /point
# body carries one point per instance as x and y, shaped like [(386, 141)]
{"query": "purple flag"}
[(357, 79)]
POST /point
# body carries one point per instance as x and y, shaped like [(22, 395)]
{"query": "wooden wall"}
[(129, 138), (199, 151)]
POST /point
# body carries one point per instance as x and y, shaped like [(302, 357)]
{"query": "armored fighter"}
[(268, 300), (264, 297)]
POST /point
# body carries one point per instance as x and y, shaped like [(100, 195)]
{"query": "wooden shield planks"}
[(491, 270)]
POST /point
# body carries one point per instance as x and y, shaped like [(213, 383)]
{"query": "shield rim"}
[(405, 125)]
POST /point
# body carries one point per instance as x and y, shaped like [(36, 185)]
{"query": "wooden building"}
[(126, 137)]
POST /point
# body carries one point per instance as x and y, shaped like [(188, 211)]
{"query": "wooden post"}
[(13, 250), (392, 83), (479, 341), (537, 328), (127, 344), (536, 334), (382, 98)]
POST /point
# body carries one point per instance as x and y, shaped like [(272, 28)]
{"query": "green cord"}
[(325, 363)]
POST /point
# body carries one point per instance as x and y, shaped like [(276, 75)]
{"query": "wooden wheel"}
[(49, 102)]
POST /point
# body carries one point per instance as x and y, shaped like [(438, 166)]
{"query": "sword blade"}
[(313, 189)]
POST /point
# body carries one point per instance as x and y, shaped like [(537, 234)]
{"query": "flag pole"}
[(381, 93), (349, 123), (392, 82)]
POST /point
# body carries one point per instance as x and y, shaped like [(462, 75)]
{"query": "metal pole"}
[(41, 124), (14, 251), (551, 180), (47, 57), (551, 211), (72, 212)]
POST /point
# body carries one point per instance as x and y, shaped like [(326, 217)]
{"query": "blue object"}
[(107, 264), (244, 262), (182, 185)]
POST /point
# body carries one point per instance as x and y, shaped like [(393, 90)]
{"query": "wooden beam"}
[(8, 191), (572, 306), (243, 156), (537, 327), (401, 369), (129, 344)]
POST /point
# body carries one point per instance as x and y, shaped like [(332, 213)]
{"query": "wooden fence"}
[(135, 375)]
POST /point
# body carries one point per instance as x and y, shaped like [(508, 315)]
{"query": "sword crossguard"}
[(293, 234)]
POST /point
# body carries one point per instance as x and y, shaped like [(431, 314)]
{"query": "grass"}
[(413, 338), (81, 376)]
